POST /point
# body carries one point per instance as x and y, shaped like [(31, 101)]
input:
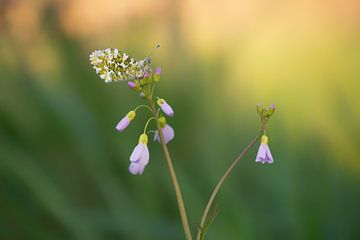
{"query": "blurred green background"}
[(63, 167)]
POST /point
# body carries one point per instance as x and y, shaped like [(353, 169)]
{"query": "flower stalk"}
[(174, 180), (201, 233)]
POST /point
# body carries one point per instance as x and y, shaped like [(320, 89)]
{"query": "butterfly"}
[(113, 65)]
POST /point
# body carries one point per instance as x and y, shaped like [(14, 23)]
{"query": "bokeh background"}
[(63, 167)]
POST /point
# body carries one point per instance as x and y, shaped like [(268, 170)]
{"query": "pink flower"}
[(168, 133), (125, 121), (140, 156), (264, 154), (165, 107)]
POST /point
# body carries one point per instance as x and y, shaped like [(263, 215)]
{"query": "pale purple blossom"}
[(158, 71), (140, 156), (125, 121), (264, 154), (165, 107), (168, 133)]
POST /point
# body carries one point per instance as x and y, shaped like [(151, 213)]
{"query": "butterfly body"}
[(114, 65)]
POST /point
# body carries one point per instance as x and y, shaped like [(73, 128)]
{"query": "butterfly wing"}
[(114, 65)]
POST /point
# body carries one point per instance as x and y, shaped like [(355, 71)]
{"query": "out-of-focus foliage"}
[(63, 167)]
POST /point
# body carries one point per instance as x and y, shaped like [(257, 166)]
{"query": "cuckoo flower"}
[(264, 154), (168, 133), (165, 107), (125, 121), (140, 156)]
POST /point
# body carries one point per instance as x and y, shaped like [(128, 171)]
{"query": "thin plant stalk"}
[(200, 233), (179, 198)]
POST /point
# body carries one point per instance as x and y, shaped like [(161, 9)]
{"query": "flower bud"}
[(162, 122), (156, 76), (271, 110), (131, 85), (266, 113), (142, 95), (259, 108)]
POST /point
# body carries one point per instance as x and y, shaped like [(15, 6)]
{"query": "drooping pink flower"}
[(125, 121), (165, 107), (168, 133), (140, 156), (264, 154)]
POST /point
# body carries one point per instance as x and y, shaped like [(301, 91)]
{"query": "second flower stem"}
[(179, 198), (201, 232)]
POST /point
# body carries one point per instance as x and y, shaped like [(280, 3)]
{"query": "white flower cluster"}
[(113, 65)]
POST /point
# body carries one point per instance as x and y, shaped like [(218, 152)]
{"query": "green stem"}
[(147, 123), (200, 233), (179, 198), (140, 106)]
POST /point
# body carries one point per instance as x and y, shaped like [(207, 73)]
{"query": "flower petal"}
[(137, 152), (136, 168), (131, 84), (269, 157), (261, 155), (144, 158), (168, 133), (156, 136)]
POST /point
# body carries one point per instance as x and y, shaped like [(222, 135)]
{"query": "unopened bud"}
[(157, 74), (131, 85), (142, 95), (162, 122), (271, 110)]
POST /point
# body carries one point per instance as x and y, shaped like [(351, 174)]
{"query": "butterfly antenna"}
[(152, 50)]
